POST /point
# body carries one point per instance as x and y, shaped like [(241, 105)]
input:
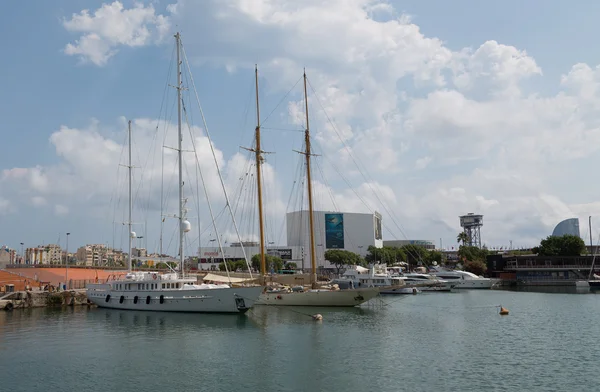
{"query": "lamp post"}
[(22, 254), (67, 263)]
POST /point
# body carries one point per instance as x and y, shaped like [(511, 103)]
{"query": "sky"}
[(422, 110)]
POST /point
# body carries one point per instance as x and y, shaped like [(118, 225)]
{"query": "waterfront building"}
[(534, 270), (568, 226)]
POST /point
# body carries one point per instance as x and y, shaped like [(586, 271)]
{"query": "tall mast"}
[(258, 152), (179, 148), (130, 202), (313, 254)]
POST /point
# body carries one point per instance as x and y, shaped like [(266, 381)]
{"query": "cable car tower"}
[(471, 225)]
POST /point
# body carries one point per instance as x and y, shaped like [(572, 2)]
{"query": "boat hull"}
[(222, 300), (321, 298), (475, 284)]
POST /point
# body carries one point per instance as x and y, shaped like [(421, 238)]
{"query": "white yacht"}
[(427, 282), (357, 277), (466, 280), (170, 292)]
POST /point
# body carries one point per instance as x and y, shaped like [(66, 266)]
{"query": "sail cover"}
[(225, 279)]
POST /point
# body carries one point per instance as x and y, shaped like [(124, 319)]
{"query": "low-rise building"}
[(7, 256)]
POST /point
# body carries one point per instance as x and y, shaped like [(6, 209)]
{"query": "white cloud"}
[(5, 206), (112, 26), (60, 209), (38, 201), (399, 100)]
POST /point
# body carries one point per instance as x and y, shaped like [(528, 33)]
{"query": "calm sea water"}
[(427, 342)]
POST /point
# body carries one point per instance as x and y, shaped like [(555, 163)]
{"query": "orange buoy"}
[(503, 311)]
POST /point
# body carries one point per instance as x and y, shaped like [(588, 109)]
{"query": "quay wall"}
[(40, 299)]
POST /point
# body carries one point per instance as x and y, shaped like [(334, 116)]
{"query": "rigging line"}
[(371, 210), (368, 182), (282, 99), (292, 192), (215, 159), (204, 185)]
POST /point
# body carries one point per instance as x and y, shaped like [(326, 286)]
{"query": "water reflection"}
[(550, 289), (163, 321)]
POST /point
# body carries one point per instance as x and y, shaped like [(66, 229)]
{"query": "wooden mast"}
[(259, 159), (258, 154), (307, 153)]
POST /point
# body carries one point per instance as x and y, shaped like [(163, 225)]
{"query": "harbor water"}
[(425, 342)]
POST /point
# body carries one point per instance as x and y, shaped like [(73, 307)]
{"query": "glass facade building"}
[(568, 226)]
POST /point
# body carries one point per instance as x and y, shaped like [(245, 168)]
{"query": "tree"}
[(414, 254), (274, 263), (472, 253), (340, 258), (434, 255), (566, 245), (388, 254), (478, 267), (233, 265), (290, 266), (462, 237)]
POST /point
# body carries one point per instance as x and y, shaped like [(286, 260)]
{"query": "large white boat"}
[(317, 297), (170, 292), (466, 280)]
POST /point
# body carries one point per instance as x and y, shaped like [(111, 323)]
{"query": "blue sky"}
[(444, 128)]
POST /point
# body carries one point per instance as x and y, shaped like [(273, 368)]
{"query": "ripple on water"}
[(454, 342)]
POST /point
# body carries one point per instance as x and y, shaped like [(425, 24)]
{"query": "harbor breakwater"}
[(40, 299)]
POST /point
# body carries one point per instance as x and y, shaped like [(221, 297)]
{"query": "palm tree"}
[(462, 237)]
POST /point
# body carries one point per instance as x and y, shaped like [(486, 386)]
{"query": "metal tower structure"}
[(471, 225)]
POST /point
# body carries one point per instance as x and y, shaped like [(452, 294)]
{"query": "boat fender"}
[(503, 311), (279, 297)]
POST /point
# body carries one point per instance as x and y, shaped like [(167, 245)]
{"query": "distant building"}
[(138, 252), (44, 254), (350, 231), (427, 244), (98, 255), (7, 256), (568, 226)]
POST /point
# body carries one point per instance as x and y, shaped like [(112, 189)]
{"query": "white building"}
[(211, 257), (353, 232)]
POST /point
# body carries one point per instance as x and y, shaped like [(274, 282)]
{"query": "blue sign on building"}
[(334, 231)]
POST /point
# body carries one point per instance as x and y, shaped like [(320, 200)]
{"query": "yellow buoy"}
[(503, 311)]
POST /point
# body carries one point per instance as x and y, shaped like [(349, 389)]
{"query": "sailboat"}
[(314, 296), (170, 292)]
